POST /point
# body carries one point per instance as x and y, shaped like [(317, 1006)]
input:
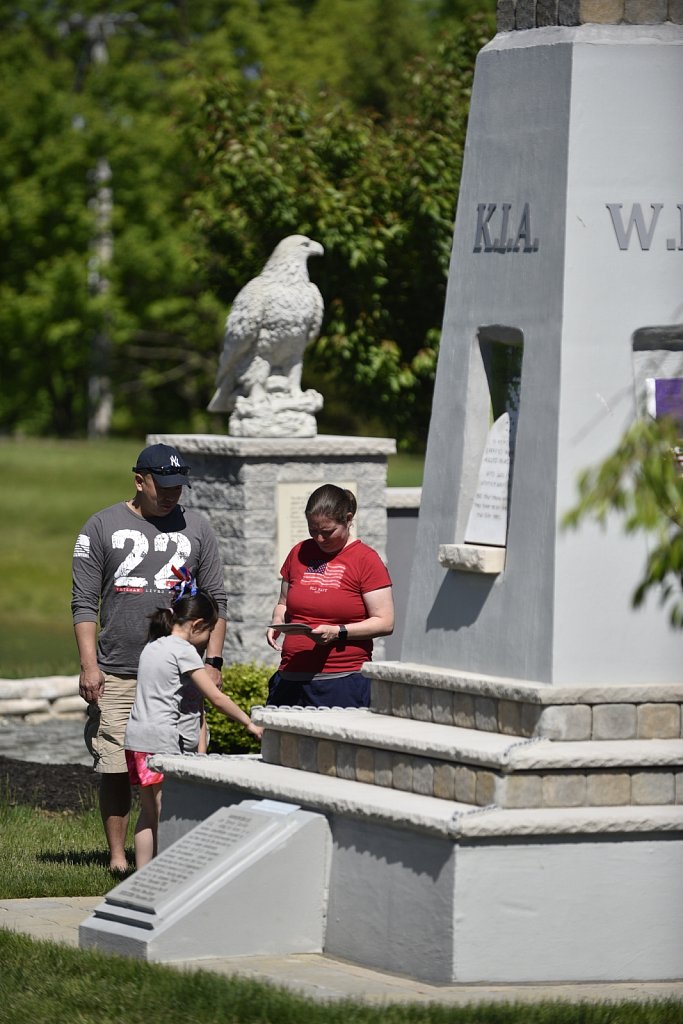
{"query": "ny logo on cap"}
[(175, 461)]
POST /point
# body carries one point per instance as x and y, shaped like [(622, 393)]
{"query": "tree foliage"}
[(642, 481), (63, 112), (317, 128)]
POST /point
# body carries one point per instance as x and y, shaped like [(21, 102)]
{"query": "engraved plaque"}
[(291, 521), (159, 883), (487, 523)]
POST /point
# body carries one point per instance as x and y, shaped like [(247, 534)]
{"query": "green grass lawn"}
[(48, 854), (47, 983), (48, 491)]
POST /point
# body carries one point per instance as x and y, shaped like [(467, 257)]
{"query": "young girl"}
[(167, 714)]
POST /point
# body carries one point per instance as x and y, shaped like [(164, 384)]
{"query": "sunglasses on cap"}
[(163, 470)]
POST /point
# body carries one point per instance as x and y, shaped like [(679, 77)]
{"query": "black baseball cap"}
[(166, 465)]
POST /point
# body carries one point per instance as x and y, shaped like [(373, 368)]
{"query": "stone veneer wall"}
[(614, 719), (525, 14), (481, 785), (36, 700)]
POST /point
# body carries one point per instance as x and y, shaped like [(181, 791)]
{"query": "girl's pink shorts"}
[(138, 772)]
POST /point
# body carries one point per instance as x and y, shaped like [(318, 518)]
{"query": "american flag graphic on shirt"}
[(325, 574)]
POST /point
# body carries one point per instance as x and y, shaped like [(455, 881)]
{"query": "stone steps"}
[(472, 767), (526, 709), (332, 795)]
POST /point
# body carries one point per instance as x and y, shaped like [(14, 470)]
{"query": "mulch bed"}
[(52, 787)]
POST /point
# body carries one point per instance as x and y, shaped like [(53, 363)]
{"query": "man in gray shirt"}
[(121, 574)]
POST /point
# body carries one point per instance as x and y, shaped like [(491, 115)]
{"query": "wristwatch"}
[(343, 633), (214, 662)]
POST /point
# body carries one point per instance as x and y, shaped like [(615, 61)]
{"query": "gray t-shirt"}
[(167, 704), (122, 573)]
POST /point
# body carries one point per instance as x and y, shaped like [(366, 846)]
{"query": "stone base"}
[(447, 894), (291, 424), (277, 415)]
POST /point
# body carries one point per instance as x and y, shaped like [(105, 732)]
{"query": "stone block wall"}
[(597, 713), (36, 700), (519, 15), (562, 785)]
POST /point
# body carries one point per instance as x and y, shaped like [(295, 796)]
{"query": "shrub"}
[(247, 685)]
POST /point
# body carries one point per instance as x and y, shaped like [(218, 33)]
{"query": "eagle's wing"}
[(317, 311), (241, 332)]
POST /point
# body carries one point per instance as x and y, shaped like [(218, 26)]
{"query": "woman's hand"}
[(278, 616), (323, 635), (271, 636)]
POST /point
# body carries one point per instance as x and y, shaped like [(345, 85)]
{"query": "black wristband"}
[(214, 662), (343, 633)]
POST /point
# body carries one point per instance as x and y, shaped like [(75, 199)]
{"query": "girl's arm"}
[(204, 683), (279, 612)]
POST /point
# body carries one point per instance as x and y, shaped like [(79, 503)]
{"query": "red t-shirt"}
[(329, 590)]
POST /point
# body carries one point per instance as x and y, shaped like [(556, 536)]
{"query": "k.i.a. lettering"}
[(502, 228)]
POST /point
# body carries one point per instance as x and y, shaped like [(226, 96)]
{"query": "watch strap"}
[(214, 662)]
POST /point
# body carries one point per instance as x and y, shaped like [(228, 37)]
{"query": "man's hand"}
[(215, 675), (91, 684)]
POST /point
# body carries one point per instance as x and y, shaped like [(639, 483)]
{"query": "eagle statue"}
[(272, 320)]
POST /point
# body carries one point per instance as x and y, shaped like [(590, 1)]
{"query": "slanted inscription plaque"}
[(159, 883)]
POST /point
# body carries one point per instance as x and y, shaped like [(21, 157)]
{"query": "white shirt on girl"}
[(166, 713)]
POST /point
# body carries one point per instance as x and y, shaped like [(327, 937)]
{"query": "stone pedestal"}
[(253, 491)]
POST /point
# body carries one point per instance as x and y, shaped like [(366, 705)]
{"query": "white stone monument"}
[(511, 809)]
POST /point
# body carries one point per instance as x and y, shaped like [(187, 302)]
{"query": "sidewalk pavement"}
[(58, 741), (325, 979)]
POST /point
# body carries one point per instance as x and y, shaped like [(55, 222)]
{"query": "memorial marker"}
[(250, 878), (487, 523), (156, 886)]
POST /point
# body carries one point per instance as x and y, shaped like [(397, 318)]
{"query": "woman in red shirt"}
[(336, 595)]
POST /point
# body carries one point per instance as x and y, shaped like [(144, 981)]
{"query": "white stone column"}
[(567, 261)]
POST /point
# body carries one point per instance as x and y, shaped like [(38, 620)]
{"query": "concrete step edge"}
[(409, 810), (470, 746)]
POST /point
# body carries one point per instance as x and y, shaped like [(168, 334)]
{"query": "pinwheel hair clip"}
[(185, 587)]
